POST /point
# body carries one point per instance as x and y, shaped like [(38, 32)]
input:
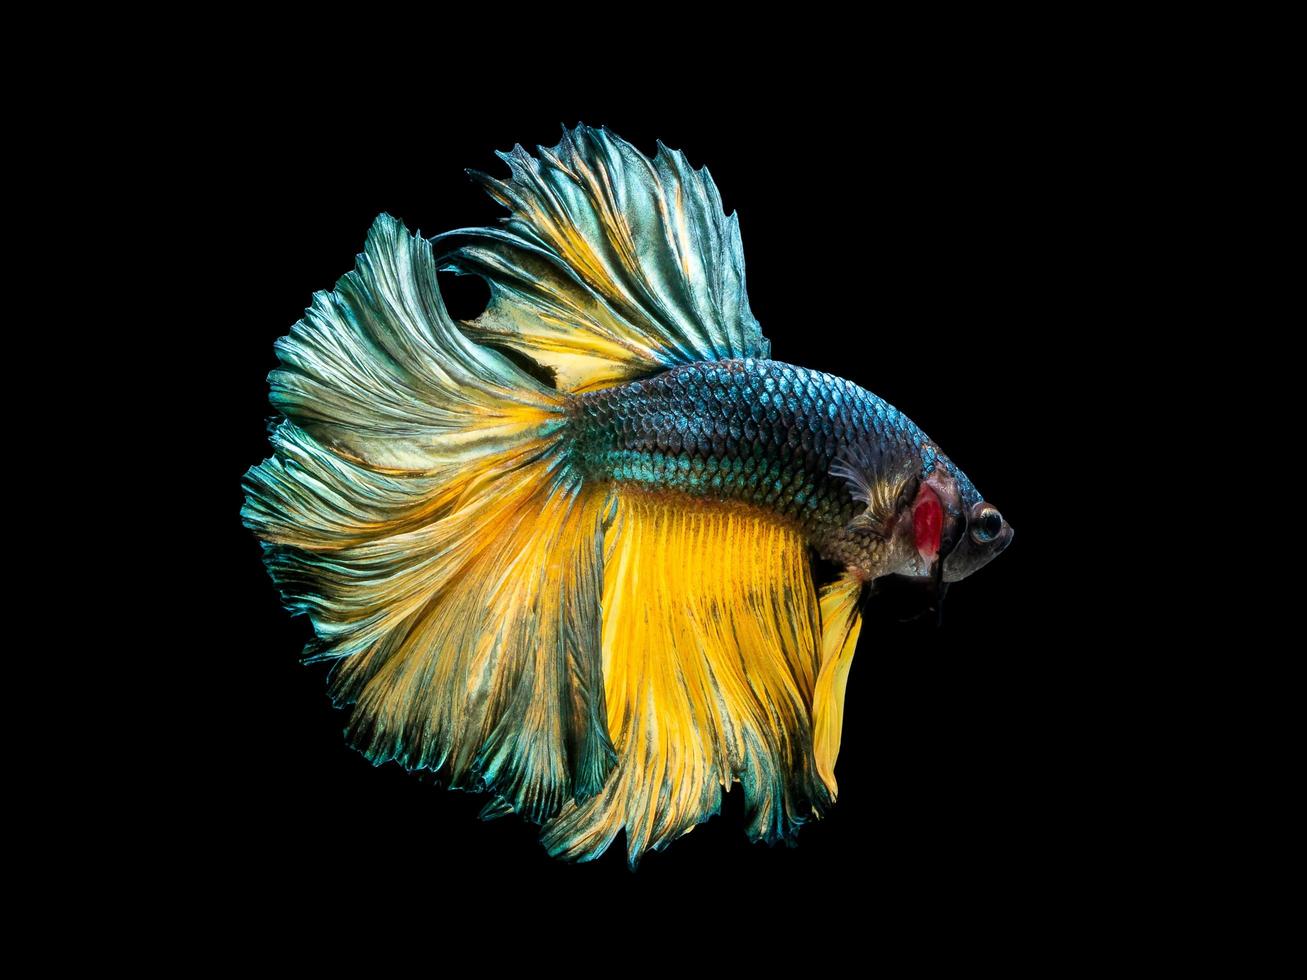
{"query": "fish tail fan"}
[(611, 265), (841, 622), (710, 658), (421, 509)]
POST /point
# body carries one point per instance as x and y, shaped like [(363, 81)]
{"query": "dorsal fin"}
[(611, 266)]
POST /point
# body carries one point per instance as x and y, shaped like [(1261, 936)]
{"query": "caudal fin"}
[(420, 509)]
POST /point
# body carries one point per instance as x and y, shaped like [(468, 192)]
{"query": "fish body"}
[(765, 433), (583, 586)]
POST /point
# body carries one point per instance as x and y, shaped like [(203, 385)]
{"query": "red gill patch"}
[(927, 522)]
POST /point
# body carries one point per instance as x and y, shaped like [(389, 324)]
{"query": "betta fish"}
[(561, 553)]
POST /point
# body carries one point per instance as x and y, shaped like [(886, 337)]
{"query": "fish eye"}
[(986, 524)]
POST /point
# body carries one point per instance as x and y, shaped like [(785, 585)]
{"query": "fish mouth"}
[(960, 562), (1004, 539)]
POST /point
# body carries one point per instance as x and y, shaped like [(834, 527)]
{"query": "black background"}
[(940, 244)]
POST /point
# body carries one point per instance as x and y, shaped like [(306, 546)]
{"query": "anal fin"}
[(710, 653)]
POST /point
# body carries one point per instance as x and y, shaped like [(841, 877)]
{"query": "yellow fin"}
[(710, 657), (841, 621)]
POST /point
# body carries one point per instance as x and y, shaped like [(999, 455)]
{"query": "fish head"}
[(924, 518), (926, 521), (952, 525), (986, 535)]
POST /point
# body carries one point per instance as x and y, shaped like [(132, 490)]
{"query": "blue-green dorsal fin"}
[(611, 265)]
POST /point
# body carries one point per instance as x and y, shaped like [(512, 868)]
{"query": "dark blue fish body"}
[(756, 431)]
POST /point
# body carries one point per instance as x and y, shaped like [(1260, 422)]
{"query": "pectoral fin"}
[(880, 478)]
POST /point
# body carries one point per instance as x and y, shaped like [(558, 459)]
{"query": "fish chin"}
[(971, 555)]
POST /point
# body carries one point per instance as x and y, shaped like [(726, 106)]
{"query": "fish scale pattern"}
[(758, 431)]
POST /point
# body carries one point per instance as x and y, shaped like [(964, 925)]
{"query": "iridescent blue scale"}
[(763, 432)]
